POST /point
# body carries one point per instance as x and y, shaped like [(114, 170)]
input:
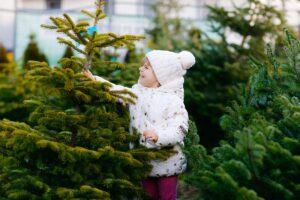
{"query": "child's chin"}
[(142, 83), (140, 80)]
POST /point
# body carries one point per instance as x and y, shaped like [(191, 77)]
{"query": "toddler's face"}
[(147, 76)]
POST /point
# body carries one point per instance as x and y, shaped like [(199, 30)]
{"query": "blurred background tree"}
[(33, 52), (12, 90), (259, 159), (3, 55), (167, 31), (68, 53)]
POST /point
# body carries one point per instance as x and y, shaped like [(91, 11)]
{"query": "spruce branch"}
[(48, 26), (69, 43), (88, 14)]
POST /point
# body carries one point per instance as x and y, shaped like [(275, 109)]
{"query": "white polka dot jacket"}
[(162, 110)]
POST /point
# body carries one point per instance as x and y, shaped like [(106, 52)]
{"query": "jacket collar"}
[(174, 87)]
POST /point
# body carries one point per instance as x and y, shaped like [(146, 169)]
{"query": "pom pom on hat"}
[(187, 59)]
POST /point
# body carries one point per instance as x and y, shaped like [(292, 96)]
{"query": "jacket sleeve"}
[(115, 88), (176, 127)]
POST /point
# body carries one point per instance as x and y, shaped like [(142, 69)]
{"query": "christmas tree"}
[(33, 52), (5, 66), (221, 64), (3, 55), (68, 53), (76, 145), (168, 31), (12, 90), (259, 159)]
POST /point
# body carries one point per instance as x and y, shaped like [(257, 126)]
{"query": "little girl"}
[(160, 115)]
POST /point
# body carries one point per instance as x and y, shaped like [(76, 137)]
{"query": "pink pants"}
[(161, 188)]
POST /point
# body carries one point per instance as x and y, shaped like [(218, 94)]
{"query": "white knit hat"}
[(168, 65)]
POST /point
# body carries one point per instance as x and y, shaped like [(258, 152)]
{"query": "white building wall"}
[(6, 23), (128, 16), (31, 4), (74, 4), (127, 7), (41, 4)]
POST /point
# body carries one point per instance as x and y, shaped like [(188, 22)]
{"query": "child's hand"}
[(151, 135), (88, 74)]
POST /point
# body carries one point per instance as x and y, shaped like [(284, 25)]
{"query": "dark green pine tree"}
[(68, 52), (77, 144), (221, 64), (260, 157), (12, 90), (33, 52), (5, 66), (3, 54), (168, 30)]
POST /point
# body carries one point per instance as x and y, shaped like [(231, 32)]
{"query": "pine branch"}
[(110, 63), (48, 26), (82, 24), (73, 37), (63, 30), (109, 43), (69, 20), (73, 27), (88, 14), (292, 50), (69, 43), (54, 21)]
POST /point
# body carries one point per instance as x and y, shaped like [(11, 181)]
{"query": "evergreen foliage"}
[(76, 144), (259, 159), (168, 31), (126, 74), (33, 52), (68, 53), (12, 90), (3, 54), (222, 65)]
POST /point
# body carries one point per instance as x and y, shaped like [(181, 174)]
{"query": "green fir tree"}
[(3, 54), (168, 30), (221, 65), (68, 52), (33, 52), (77, 144), (5, 66), (12, 90), (260, 157)]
